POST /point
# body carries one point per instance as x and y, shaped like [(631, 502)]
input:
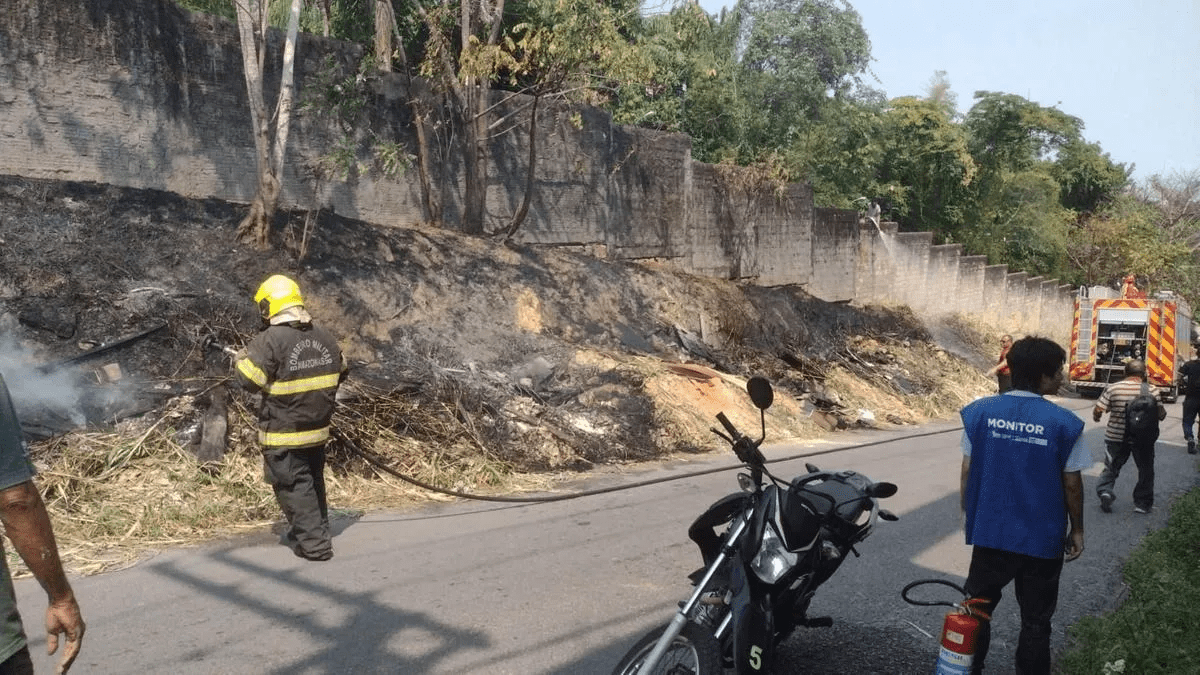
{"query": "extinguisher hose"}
[(967, 605)]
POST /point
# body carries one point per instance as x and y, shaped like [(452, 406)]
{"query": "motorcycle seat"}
[(823, 496)]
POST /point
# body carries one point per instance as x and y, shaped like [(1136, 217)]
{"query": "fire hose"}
[(378, 463)]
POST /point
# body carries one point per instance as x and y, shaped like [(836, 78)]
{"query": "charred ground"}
[(463, 349)]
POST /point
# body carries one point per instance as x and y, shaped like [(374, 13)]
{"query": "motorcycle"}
[(782, 541)]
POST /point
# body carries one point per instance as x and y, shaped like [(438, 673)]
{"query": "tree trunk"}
[(213, 428), (252, 30), (384, 20), (475, 171), (519, 217), (326, 17)]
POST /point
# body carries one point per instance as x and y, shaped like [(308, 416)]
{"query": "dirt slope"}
[(536, 343)]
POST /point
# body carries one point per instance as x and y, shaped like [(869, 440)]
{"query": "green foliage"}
[(218, 7), (840, 155), (352, 20), (1087, 177), (926, 164), (574, 49), (1020, 222), (796, 54), (344, 98), (1009, 133), (690, 85), (1153, 632)]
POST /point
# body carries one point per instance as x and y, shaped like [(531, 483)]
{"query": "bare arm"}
[(962, 483), (1073, 492), (28, 527)]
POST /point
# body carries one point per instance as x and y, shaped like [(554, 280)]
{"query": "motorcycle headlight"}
[(773, 560)]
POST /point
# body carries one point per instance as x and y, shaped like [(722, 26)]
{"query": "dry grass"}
[(116, 496)]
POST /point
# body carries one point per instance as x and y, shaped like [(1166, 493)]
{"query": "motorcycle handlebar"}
[(733, 432)]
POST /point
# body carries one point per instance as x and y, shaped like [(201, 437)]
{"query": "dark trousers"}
[(1115, 456), (298, 477), (1003, 382), (1036, 584), (20, 663), (1191, 407)]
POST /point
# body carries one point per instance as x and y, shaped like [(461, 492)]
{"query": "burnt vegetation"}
[(475, 365)]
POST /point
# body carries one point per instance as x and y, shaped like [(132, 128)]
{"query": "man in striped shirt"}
[(1118, 447)]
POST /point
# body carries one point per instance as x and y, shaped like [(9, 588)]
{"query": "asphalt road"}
[(566, 587)]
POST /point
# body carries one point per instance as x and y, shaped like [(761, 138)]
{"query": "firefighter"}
[(297, 367)]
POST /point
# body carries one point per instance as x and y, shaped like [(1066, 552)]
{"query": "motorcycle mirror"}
[(811, 468), (760, 392), (888, 516), (882, 490)]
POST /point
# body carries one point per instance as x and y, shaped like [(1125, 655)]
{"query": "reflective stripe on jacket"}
[(297, 366)]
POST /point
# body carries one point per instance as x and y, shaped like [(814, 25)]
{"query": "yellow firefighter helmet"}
[(276, 294)]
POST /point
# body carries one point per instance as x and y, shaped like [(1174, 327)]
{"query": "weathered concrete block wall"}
[(143, 94), (875, 264), (971, 283), (836, 241)]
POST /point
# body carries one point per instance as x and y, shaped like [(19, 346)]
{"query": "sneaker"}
[(1191, 447), (1143, 509), (1106, 500)]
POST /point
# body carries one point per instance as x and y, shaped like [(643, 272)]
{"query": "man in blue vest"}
[(1021, 486)]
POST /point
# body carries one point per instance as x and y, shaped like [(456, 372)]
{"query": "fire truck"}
[(1109, 330)]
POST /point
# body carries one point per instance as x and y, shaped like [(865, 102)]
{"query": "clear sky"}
[(1129, 70)]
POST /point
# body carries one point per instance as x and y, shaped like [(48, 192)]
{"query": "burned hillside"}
[(487, 358)]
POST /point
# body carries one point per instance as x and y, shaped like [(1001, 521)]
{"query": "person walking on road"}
[(1022, 493), (1121, 441), (297, 366), (1189, 383), (28, 528), (1001, 370)]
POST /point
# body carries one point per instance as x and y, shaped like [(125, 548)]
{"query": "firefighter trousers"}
[(297, 475), (1115, 456)]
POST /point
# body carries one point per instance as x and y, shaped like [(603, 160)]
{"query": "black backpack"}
[(1141, 417)]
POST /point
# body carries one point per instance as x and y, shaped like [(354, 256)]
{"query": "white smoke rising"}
[(37, 394)]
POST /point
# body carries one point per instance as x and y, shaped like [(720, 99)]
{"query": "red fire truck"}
[(1108, 331)]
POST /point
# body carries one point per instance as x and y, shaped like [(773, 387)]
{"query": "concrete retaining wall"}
[(143, 94)]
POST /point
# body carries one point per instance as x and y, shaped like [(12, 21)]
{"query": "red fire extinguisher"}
[(960, 634), (960, 630)]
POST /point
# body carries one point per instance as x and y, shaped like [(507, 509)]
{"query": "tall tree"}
[(691, 85), (796, 54), (1016, 213), (270, 144), (557, 49), (926, 167), (1087, 177)]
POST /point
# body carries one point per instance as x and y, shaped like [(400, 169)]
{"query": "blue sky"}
[(1129, 70)]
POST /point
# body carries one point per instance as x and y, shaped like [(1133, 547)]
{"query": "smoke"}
[(43, 400)]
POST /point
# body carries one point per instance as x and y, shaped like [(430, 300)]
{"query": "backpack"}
[(1141, 417)]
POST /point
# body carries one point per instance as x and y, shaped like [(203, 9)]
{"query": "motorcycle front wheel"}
[(695, 651)]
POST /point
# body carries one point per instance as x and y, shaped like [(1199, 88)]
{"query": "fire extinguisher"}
[(960, 630)]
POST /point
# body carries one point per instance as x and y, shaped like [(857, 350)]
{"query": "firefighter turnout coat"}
[(297, 366)]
